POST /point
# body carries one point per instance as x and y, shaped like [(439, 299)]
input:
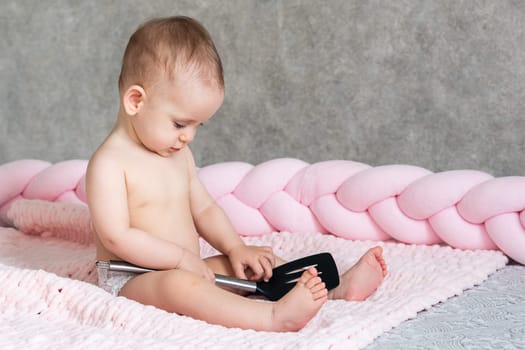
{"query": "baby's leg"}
[(185, 293), (362, 279)]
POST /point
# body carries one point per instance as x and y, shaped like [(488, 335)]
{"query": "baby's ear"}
[(133, 99)]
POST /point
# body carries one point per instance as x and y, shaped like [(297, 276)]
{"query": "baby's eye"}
[(179, 125)]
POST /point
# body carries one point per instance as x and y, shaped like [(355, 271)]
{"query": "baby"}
[(149, 207)]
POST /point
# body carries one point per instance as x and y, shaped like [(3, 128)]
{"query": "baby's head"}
[(164, 48)]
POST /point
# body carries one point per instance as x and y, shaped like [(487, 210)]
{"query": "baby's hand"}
[(260, 260), (193, 263)]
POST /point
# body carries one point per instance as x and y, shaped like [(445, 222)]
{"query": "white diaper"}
[(112, 281)]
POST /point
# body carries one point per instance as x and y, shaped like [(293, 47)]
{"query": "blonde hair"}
[(166, 45)]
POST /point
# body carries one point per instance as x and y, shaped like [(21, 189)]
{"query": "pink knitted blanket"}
[(48, 299)]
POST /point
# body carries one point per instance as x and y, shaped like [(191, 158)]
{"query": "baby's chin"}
[(166, 153)]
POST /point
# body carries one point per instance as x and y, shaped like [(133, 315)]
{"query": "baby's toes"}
[(314, 282), (318, 287), (307, 276), (322, 294)]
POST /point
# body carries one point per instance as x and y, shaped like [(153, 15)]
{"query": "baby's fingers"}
[(267, 266), (257, 271), (238, 270), (268, 253)]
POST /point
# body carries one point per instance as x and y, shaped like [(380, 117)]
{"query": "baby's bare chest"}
[(159, 201), (157, 184)]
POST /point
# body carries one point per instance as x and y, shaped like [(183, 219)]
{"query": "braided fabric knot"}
[(466, 209)]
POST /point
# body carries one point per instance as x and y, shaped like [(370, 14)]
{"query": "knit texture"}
[(48, 298)]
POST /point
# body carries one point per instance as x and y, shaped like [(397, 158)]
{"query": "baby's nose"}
[(186, 137)]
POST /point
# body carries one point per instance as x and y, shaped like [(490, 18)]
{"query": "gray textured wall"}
[(439, 84)]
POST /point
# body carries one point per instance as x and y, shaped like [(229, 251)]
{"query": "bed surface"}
[(489, 316)]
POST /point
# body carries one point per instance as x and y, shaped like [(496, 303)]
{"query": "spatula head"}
[(284, 277)]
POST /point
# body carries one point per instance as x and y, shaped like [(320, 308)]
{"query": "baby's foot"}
[(293, 311), (363, 278)]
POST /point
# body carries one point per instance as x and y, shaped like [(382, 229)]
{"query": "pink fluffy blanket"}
[(48, 298)]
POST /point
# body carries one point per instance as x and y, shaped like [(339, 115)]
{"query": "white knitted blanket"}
[(48, 300)]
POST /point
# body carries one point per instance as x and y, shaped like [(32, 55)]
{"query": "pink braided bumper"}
[(466, 209)]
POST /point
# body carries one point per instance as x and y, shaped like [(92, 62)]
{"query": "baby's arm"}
[(107, 200), (213, 224)]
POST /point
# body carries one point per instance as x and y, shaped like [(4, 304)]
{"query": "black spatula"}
[(283, 278)]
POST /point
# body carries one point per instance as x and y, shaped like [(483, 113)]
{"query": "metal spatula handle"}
[(236, 283), (221, 280)]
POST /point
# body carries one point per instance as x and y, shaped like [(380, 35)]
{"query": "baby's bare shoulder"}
[(104, 159), (107, 164), (114, 152)]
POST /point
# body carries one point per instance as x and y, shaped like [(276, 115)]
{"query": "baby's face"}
[(173, 110)]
